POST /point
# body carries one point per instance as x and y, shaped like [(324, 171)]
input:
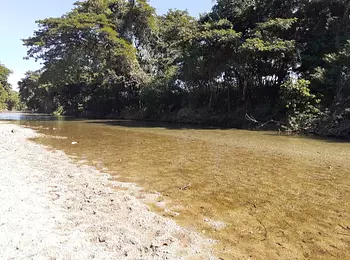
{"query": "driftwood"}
[(186, 187), (260, 124), (335, 129)]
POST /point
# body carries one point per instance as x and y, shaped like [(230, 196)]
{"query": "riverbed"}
[(261, 195)]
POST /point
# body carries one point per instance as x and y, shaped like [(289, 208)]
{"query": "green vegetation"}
[(9, 99), (268, 60)]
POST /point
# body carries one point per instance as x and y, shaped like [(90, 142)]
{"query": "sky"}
[(17, 21)]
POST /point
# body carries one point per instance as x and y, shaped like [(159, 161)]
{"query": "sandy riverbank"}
[(52, 208)]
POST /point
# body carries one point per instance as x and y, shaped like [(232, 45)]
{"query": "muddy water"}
[(261, 195)]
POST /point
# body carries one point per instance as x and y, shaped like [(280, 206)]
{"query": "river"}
[(260, 194)]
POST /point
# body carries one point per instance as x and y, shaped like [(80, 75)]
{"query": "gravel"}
[(52, 208)]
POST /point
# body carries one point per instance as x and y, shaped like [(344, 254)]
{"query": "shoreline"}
[(54, 208), (171, 121)]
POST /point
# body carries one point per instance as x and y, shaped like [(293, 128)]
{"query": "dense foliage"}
[(9, 99), (264, 60)]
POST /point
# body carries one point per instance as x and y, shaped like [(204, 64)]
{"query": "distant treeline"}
[(9, 99), (242, 64)]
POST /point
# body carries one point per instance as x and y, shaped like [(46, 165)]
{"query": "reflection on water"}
[(12, 116), (279, 197)]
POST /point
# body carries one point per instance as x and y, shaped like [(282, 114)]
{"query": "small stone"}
[(101, 239)]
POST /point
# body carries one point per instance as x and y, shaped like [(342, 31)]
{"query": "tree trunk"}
[(228, 100)]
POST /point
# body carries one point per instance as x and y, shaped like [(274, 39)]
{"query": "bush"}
[(301, 105)]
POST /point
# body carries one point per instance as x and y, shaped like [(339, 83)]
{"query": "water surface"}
[(15, 116), (260, 194)]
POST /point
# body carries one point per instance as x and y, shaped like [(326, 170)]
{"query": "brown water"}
[(261, 195)]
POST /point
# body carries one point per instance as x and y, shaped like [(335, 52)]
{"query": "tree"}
[(4, 86), (9, 99), (35, 95), (163, 94), (335, 78), (92, 50), (277, 60)]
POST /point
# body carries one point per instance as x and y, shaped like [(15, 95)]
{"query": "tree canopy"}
[(274, 60)]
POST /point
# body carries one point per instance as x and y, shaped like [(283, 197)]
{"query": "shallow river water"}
[(259, 194)]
